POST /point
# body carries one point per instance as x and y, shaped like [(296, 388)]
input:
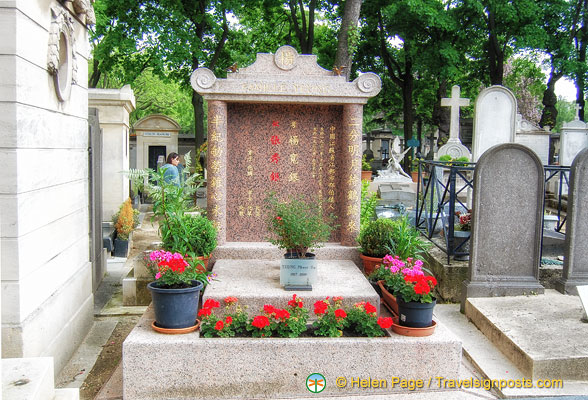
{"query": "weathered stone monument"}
[(495, 119), (574, 138), (47, 301), (454, 147), (114, 106), (156, 135), (506, 224), (535, 138), (283, 124), (575, 270)]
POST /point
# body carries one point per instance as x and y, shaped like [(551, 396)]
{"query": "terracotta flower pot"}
[(205, 261), (388, 297), (370, 263), (366, 175)]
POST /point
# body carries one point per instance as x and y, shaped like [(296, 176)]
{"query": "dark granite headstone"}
[(506, 224), (575, 270)]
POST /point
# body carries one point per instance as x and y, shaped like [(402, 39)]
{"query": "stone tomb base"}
[(257, 282), (542, 335), (157, 366)]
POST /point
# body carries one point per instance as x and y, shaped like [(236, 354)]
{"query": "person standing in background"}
[(171, 173)]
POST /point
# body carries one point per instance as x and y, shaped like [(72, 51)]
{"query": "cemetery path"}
[(93, 367)]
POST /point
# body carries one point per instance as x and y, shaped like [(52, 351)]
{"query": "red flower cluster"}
[(320, 307), (340, 314), (207, 307), (422, 284), (277, 313), (230, 300), (175, 264), (220, 324), (295, 302), (385, 322), (370, 308), (260, 321)]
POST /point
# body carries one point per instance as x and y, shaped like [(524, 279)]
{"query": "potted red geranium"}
[(176, 288), (408, 290)]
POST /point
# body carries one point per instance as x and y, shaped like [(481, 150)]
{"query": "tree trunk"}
[(347, 38), (95, 78), (495, 53), (441, 115), (549, 115)]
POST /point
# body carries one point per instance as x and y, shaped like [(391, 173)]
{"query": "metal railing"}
[(438, 189), (437, 196)]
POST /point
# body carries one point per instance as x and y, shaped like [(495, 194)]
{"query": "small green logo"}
[(315, 383)]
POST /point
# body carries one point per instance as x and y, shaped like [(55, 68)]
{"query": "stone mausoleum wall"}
[(47, 302)]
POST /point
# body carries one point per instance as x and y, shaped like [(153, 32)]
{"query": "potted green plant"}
[(185, 233), (374, 239), (124, 226), (175, 289), (366, 169), (297, 226)]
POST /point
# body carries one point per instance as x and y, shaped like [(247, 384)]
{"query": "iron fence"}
[(438, 198)]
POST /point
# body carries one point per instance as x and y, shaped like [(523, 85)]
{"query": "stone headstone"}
[(454, 147), (506, 224), (533, 137), (494, 119), (575, 270), (574, 138), (283, 124)]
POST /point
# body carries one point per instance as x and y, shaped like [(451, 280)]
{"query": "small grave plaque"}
[(298, 273)]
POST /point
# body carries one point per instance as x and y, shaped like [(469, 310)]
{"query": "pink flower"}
[(157, 275)]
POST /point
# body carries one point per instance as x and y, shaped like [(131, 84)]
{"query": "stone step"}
[(267, 251), (491, 362), (28, 378), (67, 394), (542, 335), (157, 366), (257, 282)]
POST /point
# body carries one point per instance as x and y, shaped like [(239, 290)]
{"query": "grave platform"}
[(542, 335), (257, 282), (159, 366), (267, 251)]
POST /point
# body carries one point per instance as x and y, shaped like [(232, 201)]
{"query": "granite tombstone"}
[(575, 270), (283, 124), (506, 224)]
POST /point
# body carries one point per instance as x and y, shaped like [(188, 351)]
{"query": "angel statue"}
[(394, 171)]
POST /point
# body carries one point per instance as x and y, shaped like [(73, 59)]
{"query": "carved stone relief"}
[(61, 62)]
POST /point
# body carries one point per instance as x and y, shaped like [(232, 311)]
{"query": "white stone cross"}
[(578, 108), (455, 102)]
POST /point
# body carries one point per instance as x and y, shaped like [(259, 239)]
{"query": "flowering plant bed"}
[(275, 367), (333, 320)]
